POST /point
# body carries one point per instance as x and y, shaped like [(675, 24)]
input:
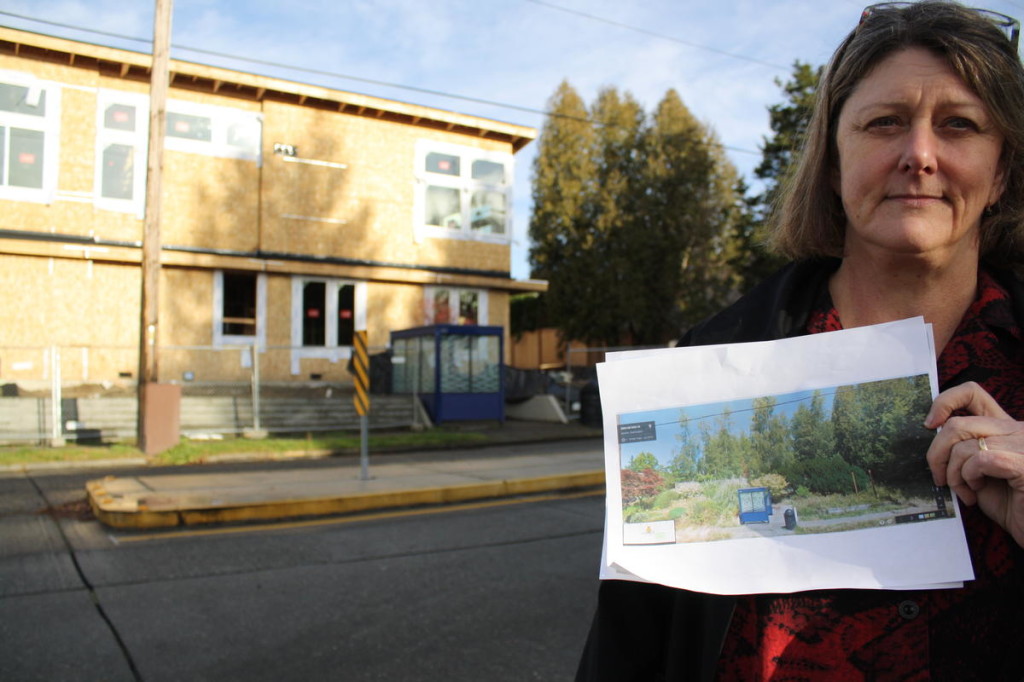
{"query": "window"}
[(455, 306), (325, 315), (29, 135), (470, 364), (239, 305), (462, 192), (122, 127), (213, 130), (189, 127), (315, 316), (121, 142)]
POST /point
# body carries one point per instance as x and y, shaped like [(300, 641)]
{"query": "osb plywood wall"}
[(358, 200), (355, 202)]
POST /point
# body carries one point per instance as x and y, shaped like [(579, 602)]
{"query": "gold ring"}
[(982, 445)]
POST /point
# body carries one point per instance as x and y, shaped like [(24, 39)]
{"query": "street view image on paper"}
[(825, 461)]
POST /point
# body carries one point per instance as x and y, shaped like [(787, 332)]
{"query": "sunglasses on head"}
[(1008, 25)]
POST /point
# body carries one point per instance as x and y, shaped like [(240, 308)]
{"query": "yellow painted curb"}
[(125, 516)]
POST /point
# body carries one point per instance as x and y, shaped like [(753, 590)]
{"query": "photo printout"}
[(778, 466)]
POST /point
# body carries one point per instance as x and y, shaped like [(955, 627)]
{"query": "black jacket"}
[(643, 632)]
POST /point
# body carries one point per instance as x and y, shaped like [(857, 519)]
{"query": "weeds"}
[(197, 451)]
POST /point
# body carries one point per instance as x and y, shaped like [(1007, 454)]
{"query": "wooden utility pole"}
[(149, 325)]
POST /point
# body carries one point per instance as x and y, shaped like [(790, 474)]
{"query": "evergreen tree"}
[(687, 210), (684, 465), (608, 314), (724, 451), (878, 428), (788, 121), (750, 262), (771, 448), (564, 175), (630, 219), (812, 432)]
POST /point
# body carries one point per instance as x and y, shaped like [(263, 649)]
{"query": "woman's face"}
[(919, 160)]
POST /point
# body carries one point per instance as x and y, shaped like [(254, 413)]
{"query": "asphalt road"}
[(490, 592)]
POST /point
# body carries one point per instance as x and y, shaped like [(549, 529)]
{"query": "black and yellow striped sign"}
[(361, 369)]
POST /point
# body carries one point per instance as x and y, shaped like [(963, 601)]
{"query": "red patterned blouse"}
[(973, 633)]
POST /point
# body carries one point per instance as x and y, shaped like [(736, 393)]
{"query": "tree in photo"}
[(643, 460), (638, 486), (812, 432), (685, 463), (770, 441), (724, 450), (816, 464), (878, 428)]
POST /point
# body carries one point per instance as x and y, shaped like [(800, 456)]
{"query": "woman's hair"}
[(809, 220)]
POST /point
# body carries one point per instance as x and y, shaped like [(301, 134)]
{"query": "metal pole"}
[(415, 380), (256, 425), (568, 378), (364, 448), (56, 437)]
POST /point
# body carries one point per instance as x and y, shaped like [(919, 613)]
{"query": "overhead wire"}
[(655, 34), (380, 83)]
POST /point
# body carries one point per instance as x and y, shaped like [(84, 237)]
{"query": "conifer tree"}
[(564, 175), (639, 248), (788, 121)]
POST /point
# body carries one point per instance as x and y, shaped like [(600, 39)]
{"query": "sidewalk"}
[(500, 469)]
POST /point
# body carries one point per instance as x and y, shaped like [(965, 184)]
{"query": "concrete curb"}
[(123, 513)]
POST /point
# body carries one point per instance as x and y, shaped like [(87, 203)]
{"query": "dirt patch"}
[(77, 510)]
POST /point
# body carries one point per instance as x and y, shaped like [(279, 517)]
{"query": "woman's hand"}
[(981, 457)]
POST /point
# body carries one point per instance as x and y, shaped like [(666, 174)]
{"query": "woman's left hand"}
[(981, 456)]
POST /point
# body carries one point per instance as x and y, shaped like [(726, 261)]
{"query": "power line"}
[(333, 74), (655, 34), (794, 401)]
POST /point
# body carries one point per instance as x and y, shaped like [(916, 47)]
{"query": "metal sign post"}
[(361, 369)]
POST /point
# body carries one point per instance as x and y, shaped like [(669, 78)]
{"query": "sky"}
[(666, 421), (498, 59)]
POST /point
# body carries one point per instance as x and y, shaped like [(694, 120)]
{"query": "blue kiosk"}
[(456, 370), (755, 505)]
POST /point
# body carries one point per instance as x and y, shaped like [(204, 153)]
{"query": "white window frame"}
[(222, 339), (466, 185), (138, 139), (331, 350), (48, 124), (221, 120), (454, 293)]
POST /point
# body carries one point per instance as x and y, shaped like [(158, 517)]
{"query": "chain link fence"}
[(56, 394)]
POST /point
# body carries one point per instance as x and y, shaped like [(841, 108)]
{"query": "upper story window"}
[(463, 192), (449, 305), (122, 139), (29, 136), (213, 130), (121, 132)]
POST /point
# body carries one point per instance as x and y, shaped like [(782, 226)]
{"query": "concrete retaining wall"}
[(108, 419)]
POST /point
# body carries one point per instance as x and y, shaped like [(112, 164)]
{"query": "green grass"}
[(197, 451)]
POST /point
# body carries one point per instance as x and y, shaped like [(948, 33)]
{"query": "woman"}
[(908, 200)]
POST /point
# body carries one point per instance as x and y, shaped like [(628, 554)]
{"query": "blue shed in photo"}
[(755, 505)]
